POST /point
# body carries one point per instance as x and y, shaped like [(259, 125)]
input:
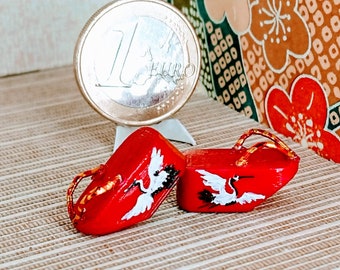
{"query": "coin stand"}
[(172, 129), (138, 68)]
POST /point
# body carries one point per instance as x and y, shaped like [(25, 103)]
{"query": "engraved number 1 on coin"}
[(123, 48)]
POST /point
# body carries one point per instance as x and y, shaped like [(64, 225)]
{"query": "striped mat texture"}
[(49, 134)]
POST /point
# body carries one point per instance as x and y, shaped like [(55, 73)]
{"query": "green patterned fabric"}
[(223, 72)]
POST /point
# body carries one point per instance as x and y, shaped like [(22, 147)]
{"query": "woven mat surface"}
[(49, 134)]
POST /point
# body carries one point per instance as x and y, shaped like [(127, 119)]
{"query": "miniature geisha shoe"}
[(129, 187), (237, 179)]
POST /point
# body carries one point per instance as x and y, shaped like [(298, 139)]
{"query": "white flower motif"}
[(281, 31)]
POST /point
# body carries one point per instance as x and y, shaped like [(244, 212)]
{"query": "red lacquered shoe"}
[(237, 179), (129, 187)]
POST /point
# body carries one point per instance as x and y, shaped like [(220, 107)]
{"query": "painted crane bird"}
[(160, 179), (221, 196)]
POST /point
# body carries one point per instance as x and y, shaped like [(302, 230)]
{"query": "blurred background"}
[(37, 35)]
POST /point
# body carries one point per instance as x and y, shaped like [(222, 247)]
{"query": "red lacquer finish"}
[(236, 179), (129, 187)]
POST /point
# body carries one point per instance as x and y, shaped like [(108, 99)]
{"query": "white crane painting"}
[(160, 178), (221, 196)]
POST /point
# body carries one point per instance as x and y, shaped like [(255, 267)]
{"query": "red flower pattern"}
[(303, 116)]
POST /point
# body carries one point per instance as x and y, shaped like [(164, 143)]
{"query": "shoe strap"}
[(275, 143), (75, 214)]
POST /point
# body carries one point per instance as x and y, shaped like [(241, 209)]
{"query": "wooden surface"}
[(49, 134)]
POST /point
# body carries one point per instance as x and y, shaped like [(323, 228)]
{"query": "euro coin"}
[(137, 62)]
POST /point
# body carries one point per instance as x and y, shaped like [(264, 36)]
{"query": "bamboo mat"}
[(49, 134)]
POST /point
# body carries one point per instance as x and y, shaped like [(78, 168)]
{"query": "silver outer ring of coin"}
[(107, 21)]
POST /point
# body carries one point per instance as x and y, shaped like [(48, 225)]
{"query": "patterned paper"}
[(276, 61)]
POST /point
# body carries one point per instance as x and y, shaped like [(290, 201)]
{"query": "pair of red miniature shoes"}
[(136, 179)]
